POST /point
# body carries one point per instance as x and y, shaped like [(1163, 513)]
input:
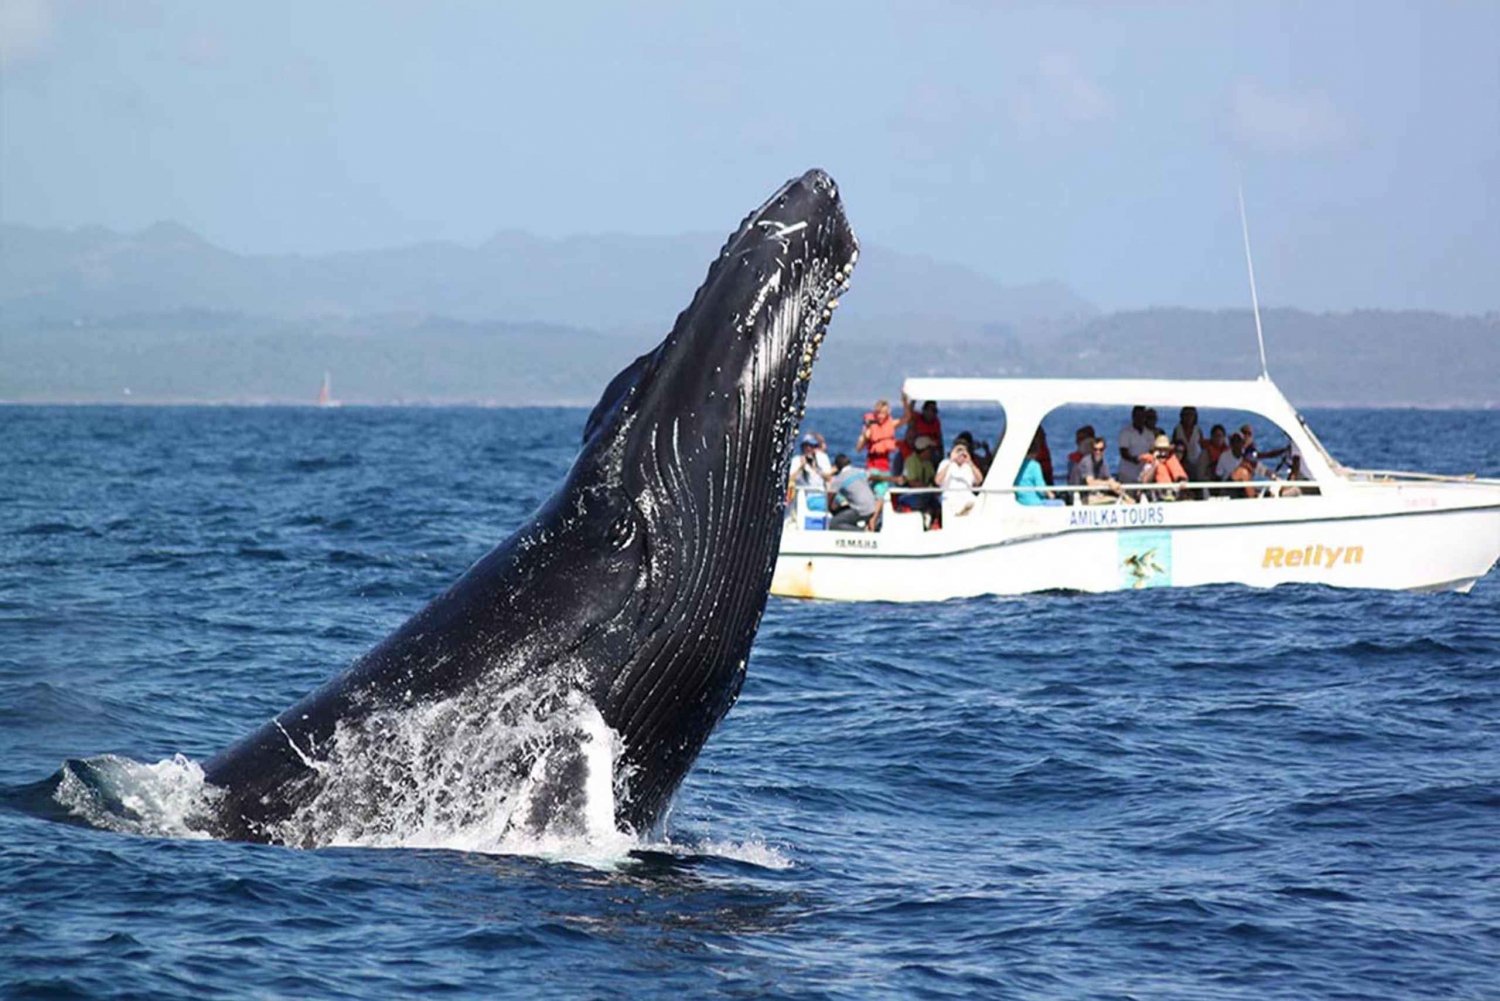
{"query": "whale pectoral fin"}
[(618, 389)]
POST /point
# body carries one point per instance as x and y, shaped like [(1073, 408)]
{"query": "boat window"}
[(900, 494), (1209, 453)]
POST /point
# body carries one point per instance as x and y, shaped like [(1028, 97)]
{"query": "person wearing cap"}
[(1248, 470), (1163, 468), (810, 472), (919, 473), (1248, 434)]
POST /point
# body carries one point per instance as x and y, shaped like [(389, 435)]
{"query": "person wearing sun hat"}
[(1164, 469)]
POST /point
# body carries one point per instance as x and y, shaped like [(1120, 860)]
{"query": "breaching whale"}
[(631, 597)]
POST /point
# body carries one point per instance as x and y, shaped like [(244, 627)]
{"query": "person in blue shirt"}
[(1031, 473)]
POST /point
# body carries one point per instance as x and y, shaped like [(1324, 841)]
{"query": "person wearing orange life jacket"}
[(1164, 467), (878, 442)]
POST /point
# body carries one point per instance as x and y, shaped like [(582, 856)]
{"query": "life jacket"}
[(880, 441), (1167, 470), (931, 428)]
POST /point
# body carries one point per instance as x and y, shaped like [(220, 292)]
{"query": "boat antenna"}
[(1260, 336)]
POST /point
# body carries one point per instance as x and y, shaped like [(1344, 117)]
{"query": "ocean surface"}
[(1212, 793)]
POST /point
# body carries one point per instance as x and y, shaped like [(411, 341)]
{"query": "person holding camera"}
[(957, 472), (878, 441)]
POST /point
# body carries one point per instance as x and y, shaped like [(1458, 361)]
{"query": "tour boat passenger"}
[(878, 440), (1082, 441), (1136, 440), (1248, 470), (922, 420), (1031, 473), (850, 497), (958, 470), (1092, 470), (1189, 434), (1163, 468), (810, 472), (979, 451), (1230, 459), (1043, 454), (1217, 444), (920, 473)]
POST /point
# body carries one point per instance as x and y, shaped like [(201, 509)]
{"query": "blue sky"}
[(1094, 144)]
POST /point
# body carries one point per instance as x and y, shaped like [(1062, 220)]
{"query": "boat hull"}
[(1172, 545)]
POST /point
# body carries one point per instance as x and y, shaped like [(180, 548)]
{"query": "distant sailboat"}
[(325, 394)]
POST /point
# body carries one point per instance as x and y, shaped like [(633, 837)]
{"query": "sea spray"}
[(167, 799), (424, 776), (525, 770)]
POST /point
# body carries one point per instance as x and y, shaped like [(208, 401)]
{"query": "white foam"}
[(752, 852), (516, 772), (168, 799), (437, 775)]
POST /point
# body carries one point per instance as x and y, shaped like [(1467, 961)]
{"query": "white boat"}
[(1347, 528)]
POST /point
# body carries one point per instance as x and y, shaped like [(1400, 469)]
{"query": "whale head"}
[(693, 440), (733, 373)]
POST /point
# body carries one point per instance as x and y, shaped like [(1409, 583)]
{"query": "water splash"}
[(168, 799), (752, 851), (515, 772), (509, 773), (524, 771)]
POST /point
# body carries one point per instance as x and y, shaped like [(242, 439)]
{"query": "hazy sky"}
[(1096, 144)]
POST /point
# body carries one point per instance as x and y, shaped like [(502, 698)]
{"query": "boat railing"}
[(1084, 489), (1387, 476), (1217, 485), (1123, 493)]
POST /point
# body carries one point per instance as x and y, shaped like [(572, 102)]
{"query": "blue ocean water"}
[(1203, 793)]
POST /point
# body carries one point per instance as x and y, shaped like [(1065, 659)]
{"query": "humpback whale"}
[(619, 617)]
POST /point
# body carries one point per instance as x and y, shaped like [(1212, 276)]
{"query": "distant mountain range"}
[(89, 314), (612, 284)]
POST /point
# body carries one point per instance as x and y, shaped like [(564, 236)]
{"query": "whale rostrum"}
[(614, 626)]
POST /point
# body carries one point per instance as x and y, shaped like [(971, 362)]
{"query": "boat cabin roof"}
[(1255, 395), (1028, 401)]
